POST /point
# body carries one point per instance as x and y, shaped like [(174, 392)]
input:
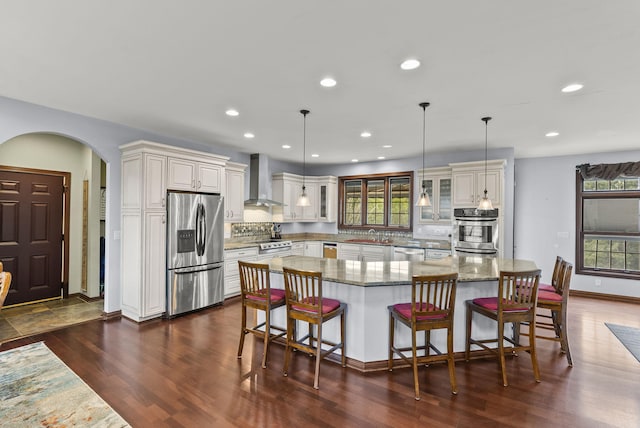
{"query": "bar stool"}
[(257, 293), (556, 302), (305, 303), (5, 283), (515, 303), (555, 276), (431, 307)]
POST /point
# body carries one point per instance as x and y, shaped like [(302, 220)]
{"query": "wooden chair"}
[(515, 303), (556, 302), (306, 303), (256, 293), (431, 307), (5, 283)]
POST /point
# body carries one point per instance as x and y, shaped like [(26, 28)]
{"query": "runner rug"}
[(629, 336), (38, 389)]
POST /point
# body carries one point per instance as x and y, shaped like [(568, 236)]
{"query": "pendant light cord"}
[(486, 126), (304, 146), (424, 139)]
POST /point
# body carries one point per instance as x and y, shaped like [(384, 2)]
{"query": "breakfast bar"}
[(369, 287)]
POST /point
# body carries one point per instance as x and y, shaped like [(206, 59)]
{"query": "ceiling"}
[(174, 68)]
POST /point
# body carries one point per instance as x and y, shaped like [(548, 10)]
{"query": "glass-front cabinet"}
[(437, 183)]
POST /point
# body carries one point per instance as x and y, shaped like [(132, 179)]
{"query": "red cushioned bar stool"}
[(306, 303), (431, 308), (256, 293), (515, 303)]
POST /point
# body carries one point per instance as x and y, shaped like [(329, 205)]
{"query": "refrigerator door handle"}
[(203, 229), (198, 268), (199, 223)]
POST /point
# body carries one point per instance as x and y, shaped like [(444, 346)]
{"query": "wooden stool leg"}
[(243, 330), (267, 332), (287, 350), (391, 344), (467, 348), (563, 335), (316, 378), (342, 340), (415, 362), (532, 344), (502, 360), (450, 361)]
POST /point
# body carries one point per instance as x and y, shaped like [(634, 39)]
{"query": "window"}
[(608, 226), (380, 201)]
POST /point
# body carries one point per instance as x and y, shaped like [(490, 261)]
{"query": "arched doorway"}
[(49, 154)]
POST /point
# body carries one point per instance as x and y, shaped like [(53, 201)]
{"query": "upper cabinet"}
[(234, 192), (321, 191), (469, 182), (196, 175), (437, 183)]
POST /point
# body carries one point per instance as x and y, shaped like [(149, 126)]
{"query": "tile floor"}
[(36, 318)]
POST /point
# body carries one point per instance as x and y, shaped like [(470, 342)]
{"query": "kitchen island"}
[(369, 287)]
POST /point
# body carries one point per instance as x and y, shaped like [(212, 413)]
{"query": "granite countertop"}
[(469, 268), (434, 244)]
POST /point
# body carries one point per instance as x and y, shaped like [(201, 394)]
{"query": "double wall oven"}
[(475, 231)]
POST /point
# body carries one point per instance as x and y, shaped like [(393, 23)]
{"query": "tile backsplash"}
[(251, 231)]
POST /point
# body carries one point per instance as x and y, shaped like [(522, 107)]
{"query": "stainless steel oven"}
[(475, 231)]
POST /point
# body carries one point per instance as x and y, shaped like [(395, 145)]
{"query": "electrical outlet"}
[(598, 282)]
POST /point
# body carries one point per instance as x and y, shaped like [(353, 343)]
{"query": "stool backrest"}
[(303, 288), (555, 276), (564, 279), (433, 296), (519, 290), (254, 280)]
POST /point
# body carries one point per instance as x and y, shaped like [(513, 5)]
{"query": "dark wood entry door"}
[(31, 233)]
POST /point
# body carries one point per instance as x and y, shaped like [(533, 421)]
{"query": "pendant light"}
[(485, 202), (303, 199), (423, 200)]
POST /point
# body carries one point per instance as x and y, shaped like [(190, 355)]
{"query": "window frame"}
[(365, 178), (581, 196)]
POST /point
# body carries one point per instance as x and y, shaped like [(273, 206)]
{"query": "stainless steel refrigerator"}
[(195, 251)]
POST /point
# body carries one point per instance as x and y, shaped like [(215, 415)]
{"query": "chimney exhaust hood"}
[(260, 183)]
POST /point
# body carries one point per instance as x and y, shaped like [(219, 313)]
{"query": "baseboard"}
[(603, 296), (111, 315)]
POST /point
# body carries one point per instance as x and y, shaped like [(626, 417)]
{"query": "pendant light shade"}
[(303, 199), (423, 200), (485, 202)]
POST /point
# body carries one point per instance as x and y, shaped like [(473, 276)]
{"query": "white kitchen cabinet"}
[(364, 252), (144, 182), (469, 182), (297, 248), (437, 183), (231, 271), (313, 248), (321, 191), (196, 176), (234, 192)]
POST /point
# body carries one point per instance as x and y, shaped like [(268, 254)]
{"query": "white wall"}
[(545, 199)]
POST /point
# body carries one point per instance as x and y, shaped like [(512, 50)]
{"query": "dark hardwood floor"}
[(184, 373)]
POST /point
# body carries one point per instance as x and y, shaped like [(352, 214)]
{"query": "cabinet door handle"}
[(230, 213), (193, 184), (199, 184), (163, 202), (164, 220)]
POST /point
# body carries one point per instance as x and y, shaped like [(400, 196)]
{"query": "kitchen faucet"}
[(377, 238)]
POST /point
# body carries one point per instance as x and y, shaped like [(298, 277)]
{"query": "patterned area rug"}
[(629, 336), (38, 390)]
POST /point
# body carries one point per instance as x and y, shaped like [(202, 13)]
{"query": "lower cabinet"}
[(364, 253), (231, 272), (313, 248), (297, 249)]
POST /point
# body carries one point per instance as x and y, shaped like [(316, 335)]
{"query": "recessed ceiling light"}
[(573, 87), (365, 134), (315, 155), (552, 134), (328, 82), (387, 146), (380, 157), (286, 146), (232, 112), (249, 135), (354, 160), (410, 64)]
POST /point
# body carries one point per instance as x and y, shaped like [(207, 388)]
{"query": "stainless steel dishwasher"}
[(409, 254)]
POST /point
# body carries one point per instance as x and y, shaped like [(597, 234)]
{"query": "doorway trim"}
[(66, 179)]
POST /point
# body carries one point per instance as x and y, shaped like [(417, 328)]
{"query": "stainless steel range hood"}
[(260, 183)]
